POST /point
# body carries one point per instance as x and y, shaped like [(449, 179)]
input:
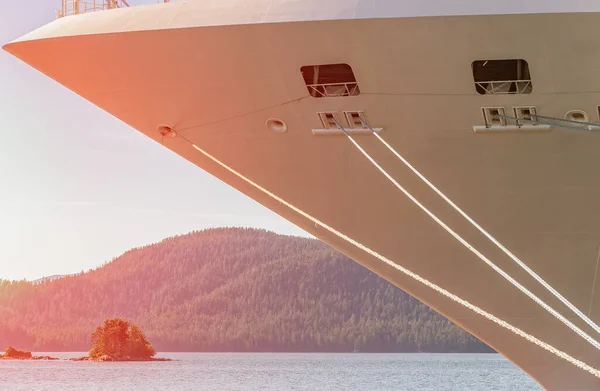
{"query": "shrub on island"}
[(119, 340)]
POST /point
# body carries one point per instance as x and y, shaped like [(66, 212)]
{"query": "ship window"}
[(333, 80), (497, 77)]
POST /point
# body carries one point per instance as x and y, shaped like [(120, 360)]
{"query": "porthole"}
[(166, 130), (276, 125)]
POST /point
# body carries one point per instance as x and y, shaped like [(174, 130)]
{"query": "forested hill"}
[(229, 290)]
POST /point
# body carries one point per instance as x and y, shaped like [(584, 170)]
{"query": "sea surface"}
[(272, 371)]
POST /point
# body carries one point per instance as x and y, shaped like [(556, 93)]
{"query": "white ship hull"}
[(216, 84)]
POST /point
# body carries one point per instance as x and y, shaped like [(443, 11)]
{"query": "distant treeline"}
[(230, 289)]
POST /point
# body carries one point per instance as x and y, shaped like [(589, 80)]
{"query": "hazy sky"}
[(78, 187)]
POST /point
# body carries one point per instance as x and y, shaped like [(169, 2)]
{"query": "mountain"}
[(229, 289), (49, 278)]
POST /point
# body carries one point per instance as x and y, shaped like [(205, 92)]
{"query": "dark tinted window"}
[(330, 80), (502, 77)]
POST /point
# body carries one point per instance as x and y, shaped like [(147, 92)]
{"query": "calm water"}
[(249, 372)]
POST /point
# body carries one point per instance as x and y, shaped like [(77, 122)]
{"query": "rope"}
[(577, 363), (487, 234), (566, 120), (498, 270), (221, 120), (535, 122)]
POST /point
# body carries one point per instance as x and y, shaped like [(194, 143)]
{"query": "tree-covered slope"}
[(229, 289)]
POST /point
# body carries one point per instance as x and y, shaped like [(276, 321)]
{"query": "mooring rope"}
[(518, 261), (587, 128), (466, 244), (502, 323), (571, 121)]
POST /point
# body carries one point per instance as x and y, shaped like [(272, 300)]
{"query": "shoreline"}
[(110, 359), (166, 359), (33, 358), (78, 354)]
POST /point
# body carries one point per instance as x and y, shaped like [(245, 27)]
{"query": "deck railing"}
[(74, 7), (333, 89), (504, 87)]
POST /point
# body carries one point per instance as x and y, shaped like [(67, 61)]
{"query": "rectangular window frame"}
[(519, 112), (324, 118), (350, 119), (488, 116), (330, 80), (497, 80)]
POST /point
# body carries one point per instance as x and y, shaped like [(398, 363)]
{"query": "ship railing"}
[(333, 89), (503, 87), (74, 7)]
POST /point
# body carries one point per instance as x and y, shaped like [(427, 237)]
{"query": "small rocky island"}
[(119, 340), (16, 354), (115, 340)]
